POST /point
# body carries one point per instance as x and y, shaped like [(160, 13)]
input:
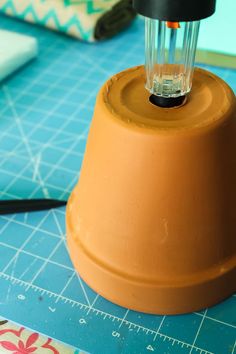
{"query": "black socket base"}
[(167, 102), (175, 10)]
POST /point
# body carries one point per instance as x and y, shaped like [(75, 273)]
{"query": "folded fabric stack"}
[(89, 20)]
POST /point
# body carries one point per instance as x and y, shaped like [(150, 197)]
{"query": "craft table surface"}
[(45, 112)]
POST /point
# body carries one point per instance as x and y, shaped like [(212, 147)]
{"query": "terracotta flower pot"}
[(151, 224)]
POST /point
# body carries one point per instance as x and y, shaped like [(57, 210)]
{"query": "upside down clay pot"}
[(151, 224)]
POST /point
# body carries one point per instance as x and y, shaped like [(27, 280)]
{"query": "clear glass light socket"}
[(170, 49)]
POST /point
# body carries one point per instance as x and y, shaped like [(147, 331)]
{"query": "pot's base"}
[(168, 297)]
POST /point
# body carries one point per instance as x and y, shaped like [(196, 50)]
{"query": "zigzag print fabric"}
[(74, 17)]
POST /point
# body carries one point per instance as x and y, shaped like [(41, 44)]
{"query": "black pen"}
[(27, 205)]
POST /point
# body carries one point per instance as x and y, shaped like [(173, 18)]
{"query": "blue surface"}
[(45, 112)]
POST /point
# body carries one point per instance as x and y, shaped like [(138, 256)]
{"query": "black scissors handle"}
[(27, 205)]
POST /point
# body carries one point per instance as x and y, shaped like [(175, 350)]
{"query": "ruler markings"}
[(198, 331), (65, 287), (83, 290), (93, 303), (137, 327), (158, 330), (123, 319)]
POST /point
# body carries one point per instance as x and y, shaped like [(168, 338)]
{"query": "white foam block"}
[(15, 50)]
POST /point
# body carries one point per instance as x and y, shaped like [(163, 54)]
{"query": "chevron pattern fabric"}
[(74, 17)]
